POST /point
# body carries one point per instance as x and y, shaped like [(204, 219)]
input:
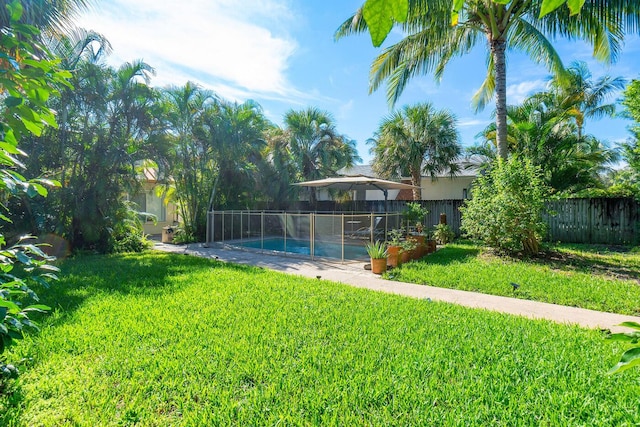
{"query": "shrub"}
[(507, 205), (127, 234), (182, 236), (443, 234)]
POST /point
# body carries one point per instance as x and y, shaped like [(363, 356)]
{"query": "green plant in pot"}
[(408, 250), (414, 215), (393, 247), (378, 253)]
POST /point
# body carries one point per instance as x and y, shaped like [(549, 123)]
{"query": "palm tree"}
[(236, 133), (317, 148), (415, 140), (51, 15), (543, 133), (279, 169), (432, 41), (581, 97), (190, 159)]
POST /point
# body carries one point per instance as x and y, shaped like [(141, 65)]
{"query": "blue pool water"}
[(302, 247)]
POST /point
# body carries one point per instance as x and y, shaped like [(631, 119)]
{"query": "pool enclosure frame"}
[(320, 229)]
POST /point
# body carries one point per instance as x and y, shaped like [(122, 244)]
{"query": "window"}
[(464, 193), (150, 203)]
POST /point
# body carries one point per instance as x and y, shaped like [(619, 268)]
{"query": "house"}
[(442, 187), (147, 200)]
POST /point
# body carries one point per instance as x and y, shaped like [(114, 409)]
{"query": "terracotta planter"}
[(393, 256), (378, 265), (431, 246), (405, 256), (418, 239), (421, 249)]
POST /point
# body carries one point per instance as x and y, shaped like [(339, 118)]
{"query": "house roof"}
[(468, 168)]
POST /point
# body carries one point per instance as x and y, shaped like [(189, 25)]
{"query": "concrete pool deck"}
[(353, 274)]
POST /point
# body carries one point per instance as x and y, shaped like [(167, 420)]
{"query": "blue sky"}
[(281, 53)]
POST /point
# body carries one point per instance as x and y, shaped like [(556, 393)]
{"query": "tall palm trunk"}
[(498, 53), (416, 177)]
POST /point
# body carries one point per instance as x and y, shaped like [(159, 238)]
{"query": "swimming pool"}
[(303, 247)]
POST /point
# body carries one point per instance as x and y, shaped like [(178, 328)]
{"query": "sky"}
[(282, 54)]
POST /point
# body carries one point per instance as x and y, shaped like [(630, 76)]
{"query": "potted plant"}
[(408, 250), (393, 247), (414, 215), (378, 253)]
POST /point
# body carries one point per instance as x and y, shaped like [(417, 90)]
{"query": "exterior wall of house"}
[(445, 188), (147, 201)]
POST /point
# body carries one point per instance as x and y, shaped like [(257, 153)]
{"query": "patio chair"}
[(365, 232)]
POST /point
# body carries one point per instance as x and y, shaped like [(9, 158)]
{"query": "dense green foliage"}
[(380, 15), (316, 147), (415, 141), (507, 205), (574, 275), (629, 178), (547, 129), (116, 130), (27, 80), (207, 343), (433, 37)]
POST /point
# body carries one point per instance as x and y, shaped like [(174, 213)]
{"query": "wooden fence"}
[(597, 220)]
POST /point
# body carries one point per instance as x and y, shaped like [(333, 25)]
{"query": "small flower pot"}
[(378, 265)]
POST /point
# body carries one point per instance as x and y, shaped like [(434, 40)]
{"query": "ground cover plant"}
[(595, 277), (161, 339)]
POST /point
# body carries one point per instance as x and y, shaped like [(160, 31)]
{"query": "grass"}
[(592, 277), (172, 340)]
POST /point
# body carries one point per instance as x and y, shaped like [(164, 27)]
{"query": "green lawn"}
[(173, 340), (575, 275)]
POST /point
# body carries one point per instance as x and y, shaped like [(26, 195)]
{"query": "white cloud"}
[(466, 122), (344, 111), (237, 48), (517, 93)]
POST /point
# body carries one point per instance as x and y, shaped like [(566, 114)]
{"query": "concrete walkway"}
[(353, 273)]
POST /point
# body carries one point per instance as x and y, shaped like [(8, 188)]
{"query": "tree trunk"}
[(500, 69), (415, 180)]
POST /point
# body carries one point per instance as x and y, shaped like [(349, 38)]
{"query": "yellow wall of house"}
[(446, 188), (153, 203)]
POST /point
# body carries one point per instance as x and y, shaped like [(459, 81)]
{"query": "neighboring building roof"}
[(468, 168)]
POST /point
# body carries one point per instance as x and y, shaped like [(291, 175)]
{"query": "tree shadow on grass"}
[(86, 276), (590, 261)]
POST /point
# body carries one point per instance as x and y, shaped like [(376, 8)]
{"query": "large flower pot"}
[(378, 265), (393, 256), (405, 256), (420, 249), (431, 246)]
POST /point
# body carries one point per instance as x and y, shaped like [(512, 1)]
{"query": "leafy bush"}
[(443, 234), (507, 205), (127, 234), (182, 236), (27, 79)]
